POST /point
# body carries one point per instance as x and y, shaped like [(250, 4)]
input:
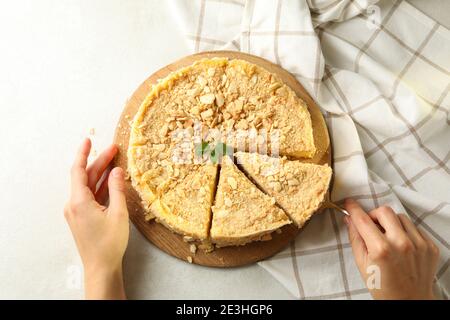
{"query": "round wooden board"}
[(172, 243)]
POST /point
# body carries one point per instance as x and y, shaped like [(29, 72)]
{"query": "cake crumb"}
[(266, 237), (193, 248), (207, 247), (189, 259)]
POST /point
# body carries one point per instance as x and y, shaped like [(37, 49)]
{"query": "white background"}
[(66, 67)]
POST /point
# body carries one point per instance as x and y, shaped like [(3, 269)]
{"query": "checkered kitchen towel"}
[(380, 71)]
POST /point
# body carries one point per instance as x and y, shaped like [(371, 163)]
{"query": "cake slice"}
[(299, 188), (153, 172), (257, 99), (186, 208), (242, 213)]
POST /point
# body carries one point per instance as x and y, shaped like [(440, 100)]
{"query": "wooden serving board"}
[(172, 243)]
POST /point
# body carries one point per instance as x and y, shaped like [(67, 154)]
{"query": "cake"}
[(241, 212), (204, 105), (299, 188), (186, 208)]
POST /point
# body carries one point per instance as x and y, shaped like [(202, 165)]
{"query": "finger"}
[(367, 229), (101, 196), (425, 236), (98, 167), (388, 219), (116, 186), (83, 154), (412, 232), (79, 177), (431, 244), (358, 246), (375, 220)]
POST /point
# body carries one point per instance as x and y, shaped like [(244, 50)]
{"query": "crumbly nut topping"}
[(299, 188), (242, 213), (233, 90), (232, 182), (208, 98), (228, 202)]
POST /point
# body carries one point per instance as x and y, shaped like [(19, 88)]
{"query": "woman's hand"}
[(405, 256), (100, 232)]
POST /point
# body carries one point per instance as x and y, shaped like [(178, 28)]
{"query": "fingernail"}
[(117, 172)]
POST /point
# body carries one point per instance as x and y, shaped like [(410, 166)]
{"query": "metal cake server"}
[(331, 205)]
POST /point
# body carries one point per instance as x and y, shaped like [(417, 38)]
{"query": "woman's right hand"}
[(389, 246)]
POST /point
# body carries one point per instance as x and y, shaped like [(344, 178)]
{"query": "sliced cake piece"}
[(153, 172), (258, 99), (186, 208), (242, 213), (299, 188)]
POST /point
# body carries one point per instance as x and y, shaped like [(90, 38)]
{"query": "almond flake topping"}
[(228, 202), (164, 130), (276, 186), (211, 72), (219, 100), (195, 110), (159, 147), (202, 81), (207, 114), (232, 182), (207, 98), (194, 92)]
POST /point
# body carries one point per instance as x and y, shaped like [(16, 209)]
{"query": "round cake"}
[(183, 142)]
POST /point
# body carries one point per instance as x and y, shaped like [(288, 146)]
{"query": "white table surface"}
[(68, 66)]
